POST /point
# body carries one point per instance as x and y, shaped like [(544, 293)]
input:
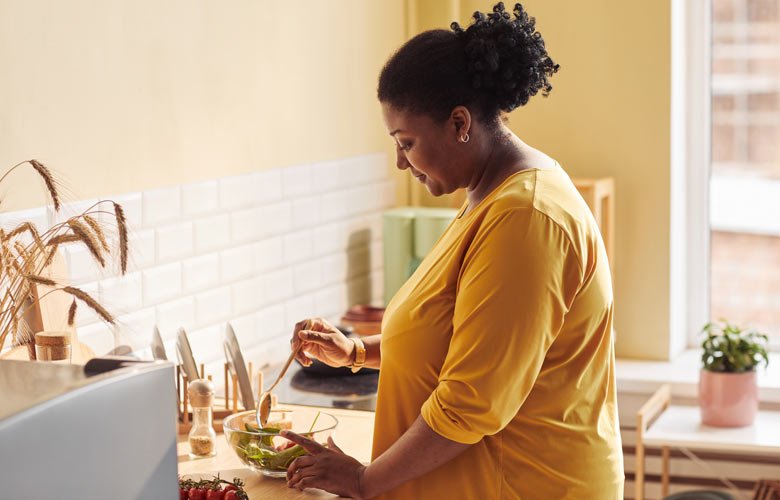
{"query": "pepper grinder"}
[(202, 437)]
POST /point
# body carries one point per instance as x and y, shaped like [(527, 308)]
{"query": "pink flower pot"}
[(728, 399)]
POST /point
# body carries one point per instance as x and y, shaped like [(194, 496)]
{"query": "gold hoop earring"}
[(465, 138)]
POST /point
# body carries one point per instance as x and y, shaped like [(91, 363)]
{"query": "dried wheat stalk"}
[(121, 224), (88, 238), (98, 232), (48, 178), (72, 312), (23, 266), (92, 303)]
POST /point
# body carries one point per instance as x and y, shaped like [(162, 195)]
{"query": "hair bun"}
[(506, 57)]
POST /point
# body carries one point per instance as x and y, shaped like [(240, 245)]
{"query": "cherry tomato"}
[(215, 495), (183, 494), (230, 495), (197, 494), (230, 487)]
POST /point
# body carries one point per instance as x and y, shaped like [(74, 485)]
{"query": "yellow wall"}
[(608, 115), (121, 95)]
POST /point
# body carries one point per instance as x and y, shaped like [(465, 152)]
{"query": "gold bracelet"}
[(360, 355)]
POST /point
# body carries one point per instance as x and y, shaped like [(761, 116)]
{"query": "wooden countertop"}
[(354, 435)]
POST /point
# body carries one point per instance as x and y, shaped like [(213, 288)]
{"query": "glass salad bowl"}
[(264, 450)]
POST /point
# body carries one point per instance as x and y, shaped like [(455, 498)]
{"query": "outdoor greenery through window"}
[(745, 174)]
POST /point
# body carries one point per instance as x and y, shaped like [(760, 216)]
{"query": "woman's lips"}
[(420, 177)]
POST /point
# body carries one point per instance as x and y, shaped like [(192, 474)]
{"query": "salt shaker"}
[(202, 437)]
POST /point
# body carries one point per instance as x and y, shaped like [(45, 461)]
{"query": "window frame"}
[(690, 148)]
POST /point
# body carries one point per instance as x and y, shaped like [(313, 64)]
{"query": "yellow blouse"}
[(502, 339)]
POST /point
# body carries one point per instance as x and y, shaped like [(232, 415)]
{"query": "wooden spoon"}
[(263, 409)]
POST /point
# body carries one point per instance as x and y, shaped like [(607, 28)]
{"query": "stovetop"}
[(350, 391)]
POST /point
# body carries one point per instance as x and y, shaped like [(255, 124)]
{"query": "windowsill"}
[(682, 373)]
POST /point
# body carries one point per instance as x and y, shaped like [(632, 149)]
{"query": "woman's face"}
[(425, 147)]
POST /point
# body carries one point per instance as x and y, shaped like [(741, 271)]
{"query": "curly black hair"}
[(494, 65)]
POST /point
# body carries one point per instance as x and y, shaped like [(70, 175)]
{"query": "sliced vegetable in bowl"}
[(264, 450)]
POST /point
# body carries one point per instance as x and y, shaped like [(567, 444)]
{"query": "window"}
[(744, 184), (725, 167)]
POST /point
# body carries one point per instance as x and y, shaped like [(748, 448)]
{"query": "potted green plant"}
[(728, 390)]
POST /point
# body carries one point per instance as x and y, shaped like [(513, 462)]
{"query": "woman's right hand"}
[(323, 341)]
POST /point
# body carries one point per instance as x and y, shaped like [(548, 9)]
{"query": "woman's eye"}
[(406, 146)]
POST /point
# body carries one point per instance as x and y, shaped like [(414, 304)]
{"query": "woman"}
[(497, 360)]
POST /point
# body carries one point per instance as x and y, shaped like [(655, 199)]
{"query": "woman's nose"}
[(400, 160)]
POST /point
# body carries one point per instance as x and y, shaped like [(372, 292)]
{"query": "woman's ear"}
[(461, 121)]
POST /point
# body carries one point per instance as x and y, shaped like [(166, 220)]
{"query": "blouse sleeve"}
[(517, 282)]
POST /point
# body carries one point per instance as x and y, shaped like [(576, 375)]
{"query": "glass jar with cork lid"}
[(202, 438), (54, 346)]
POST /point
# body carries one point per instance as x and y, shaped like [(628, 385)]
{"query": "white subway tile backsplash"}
[(142, 249), (327, 176), (261, 250), (373, 222), (174, 242), (278, 286), (82, 267), (244, 328), (238, 192), (85, 315), (206, 344), (132, 206), (200, 198), (330, 238), (200, 273), (376, 259), (123, 294), (269, 185), (307, 276), (270, 322), (161, 283), (276, 219), (334, 206), (356, 170), (297, 181), (236, 263), (377, 165), (213, 306), (361, 199), (378, 288), (171, 316), (389, 193), (247, 225), (331, 300), (248, 295), (298, 246), (334, 268), (136, 328), (99, 337), (269, 254), (37, 216), (68, 210), (305, 212), (161, 206), (212, 233), (299, 308)]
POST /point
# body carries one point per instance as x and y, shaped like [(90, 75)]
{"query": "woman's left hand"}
[(326, 467)]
